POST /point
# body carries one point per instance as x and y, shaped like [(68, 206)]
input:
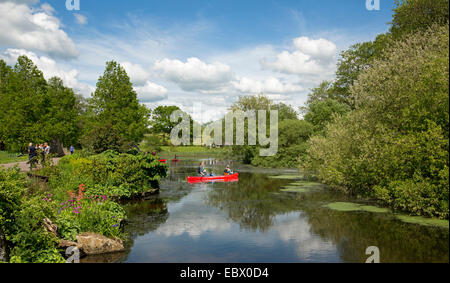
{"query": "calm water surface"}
[(252, 221)]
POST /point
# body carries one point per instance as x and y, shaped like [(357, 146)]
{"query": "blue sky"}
[(177, 52)]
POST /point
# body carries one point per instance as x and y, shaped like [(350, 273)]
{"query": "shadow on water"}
[(253, 221)]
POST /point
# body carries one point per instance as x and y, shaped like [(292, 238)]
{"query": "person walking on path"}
[(31, 151), (72, 149), (46, 149)]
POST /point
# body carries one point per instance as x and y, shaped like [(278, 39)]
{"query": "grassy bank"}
[(80, 196), (8, 157), (195, 151)]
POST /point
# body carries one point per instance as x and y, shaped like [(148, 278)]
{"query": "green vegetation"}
[(115, 118), (292, 189), (118, 176), (424, 221), (391, 141), (6, 157), (351, 207), (287, 177), (293, 134), (79, 197), (34, 110)]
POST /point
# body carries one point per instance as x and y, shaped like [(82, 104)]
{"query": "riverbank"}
[(78, 206)]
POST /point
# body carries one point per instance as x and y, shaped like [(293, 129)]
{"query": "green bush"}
[(109, 173), (12, 189), (395, 145), (31, 243), (92, 214)]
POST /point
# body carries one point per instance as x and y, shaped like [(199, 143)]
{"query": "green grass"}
[(195, 151), (7, 157), (192, 148)]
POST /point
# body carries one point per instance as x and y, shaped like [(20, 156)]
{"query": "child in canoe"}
[(228, 171), (202, 170)]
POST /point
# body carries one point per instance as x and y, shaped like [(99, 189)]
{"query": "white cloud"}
[(34, 29), (291, 227), (151, 92), (318, 49), (136, 72), (310, 57), (191, 218), (195, 75), (50, 69), (81, 19), (270, 85)]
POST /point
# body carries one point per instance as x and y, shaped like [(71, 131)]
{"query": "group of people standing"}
[(41, 150)]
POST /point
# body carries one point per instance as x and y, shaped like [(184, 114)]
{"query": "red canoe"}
[(228, 178), (162, 160)]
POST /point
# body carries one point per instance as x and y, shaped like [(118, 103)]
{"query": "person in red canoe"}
[(202, 170), (228, 171)]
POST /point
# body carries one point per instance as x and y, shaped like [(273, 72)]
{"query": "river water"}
[(253, 221)]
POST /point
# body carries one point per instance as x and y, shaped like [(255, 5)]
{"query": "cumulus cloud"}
[(138, 75), (270, 85), (195, 75), (81, 19), (310, 57), (291, 227), (34, 29), (50, 69), (191, 218), (151, 92)]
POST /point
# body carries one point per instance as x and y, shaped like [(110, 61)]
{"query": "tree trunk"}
[(56, 147), (3, 248)]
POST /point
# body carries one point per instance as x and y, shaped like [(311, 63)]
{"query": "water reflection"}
[(251, 221)]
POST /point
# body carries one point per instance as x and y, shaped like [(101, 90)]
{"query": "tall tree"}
[(415, 15), (60, 113), (114, 104), (21, 105)]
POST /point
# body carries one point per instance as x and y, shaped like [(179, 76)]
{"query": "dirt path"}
[(24, 167)]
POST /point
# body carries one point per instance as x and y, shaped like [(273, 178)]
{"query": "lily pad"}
[(423, 220), (374, 209), (306, 184), (344, 206), (294, 190), (286, 177), (351, 206)]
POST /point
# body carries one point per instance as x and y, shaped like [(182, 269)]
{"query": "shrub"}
[(31, 243), (12, 188), (109, 173), (394, 146), (94, 214)]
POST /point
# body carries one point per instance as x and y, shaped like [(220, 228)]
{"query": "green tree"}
[(322, 112), (394, 146), (285, 112), (114, 104), (160, 119), (60, 113), (418, 15), (21, 104)]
